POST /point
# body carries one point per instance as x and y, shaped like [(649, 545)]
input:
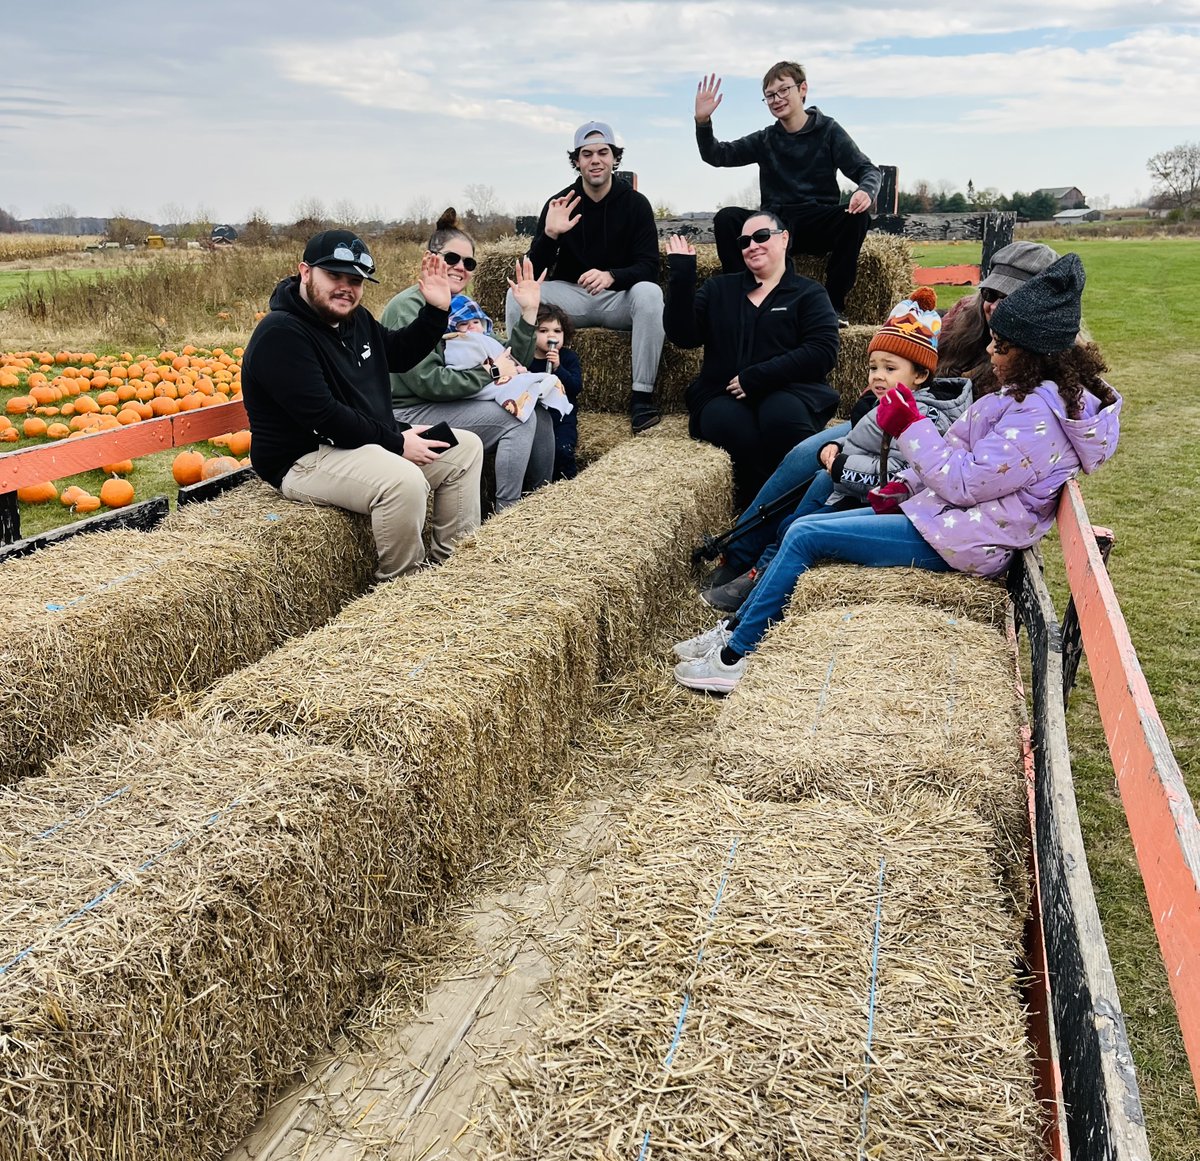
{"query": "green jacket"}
[(431, 381)]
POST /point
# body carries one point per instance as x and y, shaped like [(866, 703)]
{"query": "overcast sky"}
[(397, 105)]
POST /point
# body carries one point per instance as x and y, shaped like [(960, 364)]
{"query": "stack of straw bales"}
[(193, 905), (600, 432), (174, 896), (884, 277), (101, 626), (721, 1000)]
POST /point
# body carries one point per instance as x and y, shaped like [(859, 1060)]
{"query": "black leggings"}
[(812, 229), (758, 436)]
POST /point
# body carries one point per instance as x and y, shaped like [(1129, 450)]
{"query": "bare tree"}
[(748, 196), (419, 210), (64, 217), (173, 215), (482, 200), (1176, 173), (345, 213)]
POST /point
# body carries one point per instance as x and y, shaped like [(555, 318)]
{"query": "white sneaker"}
[(699, 645), (710, 673)]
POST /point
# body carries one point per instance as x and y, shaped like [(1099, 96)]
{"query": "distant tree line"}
[(926, 198)]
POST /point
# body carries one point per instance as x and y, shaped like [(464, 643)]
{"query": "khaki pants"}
[(394, 493)]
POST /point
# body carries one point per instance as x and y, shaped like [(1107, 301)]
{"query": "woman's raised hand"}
[(433, 283), (678, 244), (526, 289), (708, 97)]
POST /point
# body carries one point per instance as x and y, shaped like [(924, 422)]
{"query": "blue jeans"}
[(857, 537), (798, 467)]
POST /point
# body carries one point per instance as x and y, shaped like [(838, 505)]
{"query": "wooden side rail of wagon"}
[(19, 469), (1091, 1063)]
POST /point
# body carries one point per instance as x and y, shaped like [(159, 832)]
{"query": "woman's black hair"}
[(549, 310), (1077, 369), (446, 230), (780, 224)]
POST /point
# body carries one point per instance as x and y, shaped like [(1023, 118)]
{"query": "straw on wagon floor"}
[(600, 432), (189, 911), (875, 703), (100, 627), (722, 998), (481, 670)]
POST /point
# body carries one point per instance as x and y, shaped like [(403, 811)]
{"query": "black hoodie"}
[(306, 383), (616, 234)]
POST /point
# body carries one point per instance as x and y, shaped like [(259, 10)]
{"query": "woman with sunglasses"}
[(770, 339), (963, 345), (432, 391)]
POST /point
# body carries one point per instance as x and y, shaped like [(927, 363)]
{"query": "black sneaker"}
[(729, 597), (843, 321), (643, 411)]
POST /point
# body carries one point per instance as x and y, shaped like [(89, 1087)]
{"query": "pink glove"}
[(896, 410), (887, 497)]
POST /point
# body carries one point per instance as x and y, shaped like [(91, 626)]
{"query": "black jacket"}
[(306, 383), (788, 343), (616, 234)]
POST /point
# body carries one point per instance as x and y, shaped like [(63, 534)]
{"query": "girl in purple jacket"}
[(969, 501)]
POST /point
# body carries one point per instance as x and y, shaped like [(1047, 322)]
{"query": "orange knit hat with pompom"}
[(912, 329)]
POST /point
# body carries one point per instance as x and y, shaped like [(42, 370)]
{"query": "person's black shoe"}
[(643, 411), (730, 597), (843, 321)]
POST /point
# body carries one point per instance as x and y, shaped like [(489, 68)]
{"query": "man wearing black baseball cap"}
[(316, 388), (598, 244)]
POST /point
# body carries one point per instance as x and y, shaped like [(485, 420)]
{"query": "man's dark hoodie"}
[(616, 234), (306, 383)]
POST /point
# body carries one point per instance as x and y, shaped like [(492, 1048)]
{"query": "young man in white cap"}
[(316, 387), (598, 244)]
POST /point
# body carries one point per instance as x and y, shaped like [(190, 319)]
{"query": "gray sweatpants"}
[(524, 451), (638, 309)]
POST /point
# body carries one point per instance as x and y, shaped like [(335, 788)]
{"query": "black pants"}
[(812, 229), (758, 437)]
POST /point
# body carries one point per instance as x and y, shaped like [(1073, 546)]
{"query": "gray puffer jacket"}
[(855, 471)]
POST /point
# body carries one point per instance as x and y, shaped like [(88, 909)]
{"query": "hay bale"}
[(190, 912), (102, 626), (600, 432), (771, 944), (479, 672), (885, 276), (874, 703), (843, 586), (849, 375), (490, 284)]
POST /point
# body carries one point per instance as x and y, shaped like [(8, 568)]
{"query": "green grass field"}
[(13, 282)]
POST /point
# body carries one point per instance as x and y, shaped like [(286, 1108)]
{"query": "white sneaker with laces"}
[(699, 645), (709, 673)]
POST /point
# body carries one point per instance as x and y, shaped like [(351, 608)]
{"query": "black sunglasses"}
[(758, 237), (452, 259), (990, 295)]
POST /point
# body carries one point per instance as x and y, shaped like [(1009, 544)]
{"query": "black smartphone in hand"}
[(440, 431)]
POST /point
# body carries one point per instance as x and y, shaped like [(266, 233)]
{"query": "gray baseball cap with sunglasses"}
[(340, 252)]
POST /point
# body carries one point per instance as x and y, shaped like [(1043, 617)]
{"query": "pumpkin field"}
[(66, 394)]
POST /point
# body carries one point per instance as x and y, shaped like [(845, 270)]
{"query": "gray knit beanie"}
[(1043, 314)]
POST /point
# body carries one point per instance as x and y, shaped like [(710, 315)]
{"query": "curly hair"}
[(1077, 369), (618, 151), (549, 310)]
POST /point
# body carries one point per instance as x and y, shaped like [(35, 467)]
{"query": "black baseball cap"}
[(342, 252)]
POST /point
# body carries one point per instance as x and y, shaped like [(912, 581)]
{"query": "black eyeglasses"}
[(758, 237), (452, 259), (775, 94), (990, 295)]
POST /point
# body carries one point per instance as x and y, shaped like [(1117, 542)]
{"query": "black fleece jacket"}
[(306, 383), (788, 343), (616, 234)]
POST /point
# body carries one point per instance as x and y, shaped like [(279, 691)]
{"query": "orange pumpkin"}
[(238, 443), (71, 494), (87, 503), (120, 468), (34, 426), (19, 404), (116, 493), (38, 493), (58, 431), (218, 466), (187, 467)]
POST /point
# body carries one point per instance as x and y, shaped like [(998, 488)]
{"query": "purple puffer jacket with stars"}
[(990, 487)]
